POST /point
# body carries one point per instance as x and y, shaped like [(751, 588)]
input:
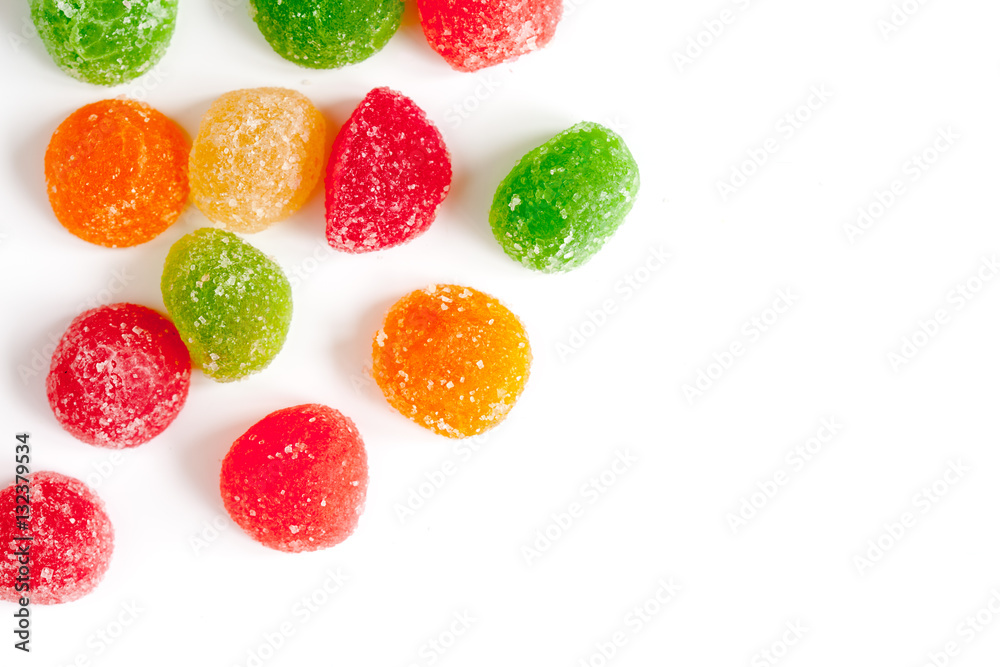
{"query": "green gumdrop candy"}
[(105, 42), (564, 199), (324, 34), (231, 304)]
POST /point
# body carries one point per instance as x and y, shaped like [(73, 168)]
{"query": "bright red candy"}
[(119, 375), (297, 480), (473, 34), (72, 540), (387, 175)]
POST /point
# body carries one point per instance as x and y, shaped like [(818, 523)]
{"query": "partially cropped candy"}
[(472, 34), (232, 304), (563, 200), (452, 359), (119, 376), (257, 156), (387, 175), (297, 480), (72, 539), (324, 34), (116, 172), (105, 42)]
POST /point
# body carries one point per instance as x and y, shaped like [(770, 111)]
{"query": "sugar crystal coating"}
[(452, 359), (473, 34), (563, 200), (73, 539), (117, 172), (297, 479), (119, 376), (324, 34), (257, 156), (387, 175), (232, 304), (105, 42)]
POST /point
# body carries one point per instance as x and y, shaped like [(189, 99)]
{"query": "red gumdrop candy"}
[(296, 481), (387, 175), (71, 545), (473, 34), (119, 376)]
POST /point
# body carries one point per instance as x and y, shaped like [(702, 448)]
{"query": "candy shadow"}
[(242, 24), (15, 17), (308, 222), (21, 37), (474, 184), (189, 118), (201, 460), (411, 34), (30, 366), (28, 162), (144, 267), (348, 351), (336, 114)]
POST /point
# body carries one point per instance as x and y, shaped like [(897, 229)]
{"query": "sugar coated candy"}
[(296, 481), (119, 376), (257, 156), (452, 359), (564, 199), (105, 42), (232, 304), (473, 34), (116, 172), (71, 545), (387, 175), (324, 34)]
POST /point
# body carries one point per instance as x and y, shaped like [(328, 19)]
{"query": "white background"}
[(213, 602)]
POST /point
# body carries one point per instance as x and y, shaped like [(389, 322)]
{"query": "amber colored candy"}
[(257, 156), (452, 359), (117, 172)]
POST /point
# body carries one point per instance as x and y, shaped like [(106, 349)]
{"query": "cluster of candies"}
[(448, 357)]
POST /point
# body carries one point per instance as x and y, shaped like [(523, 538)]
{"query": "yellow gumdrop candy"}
[(257, 157)]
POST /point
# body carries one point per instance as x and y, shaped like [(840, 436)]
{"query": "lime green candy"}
[(564, 199), (324, 34), (231, 304), (105, 42)]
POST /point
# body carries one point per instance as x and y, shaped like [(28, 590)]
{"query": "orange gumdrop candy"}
[(452, 359), (117, 172)]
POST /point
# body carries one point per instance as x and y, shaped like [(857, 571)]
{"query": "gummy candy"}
[(564, 199), (119, 376), (452, 359), (72, 539), (473, 34), (258, 154), (324, 34), (117, 172), (232, 304), (105, 42), (387, 175), (297, 479)]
